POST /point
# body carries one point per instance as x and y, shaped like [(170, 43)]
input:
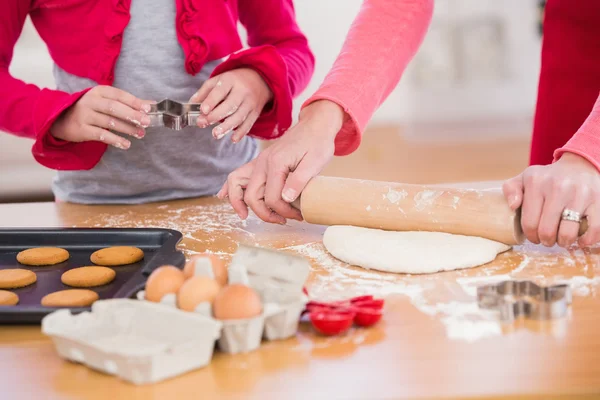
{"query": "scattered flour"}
[(394, 196), (451, 302), (426, 198)]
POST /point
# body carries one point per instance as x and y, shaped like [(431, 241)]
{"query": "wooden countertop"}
[(432, 343)]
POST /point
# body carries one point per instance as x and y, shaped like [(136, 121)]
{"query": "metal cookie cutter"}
[(173, 114), (524, 298)]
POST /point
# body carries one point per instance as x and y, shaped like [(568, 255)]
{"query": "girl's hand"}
[(279, 174), (235, 97), (98, 112), (544, 192)]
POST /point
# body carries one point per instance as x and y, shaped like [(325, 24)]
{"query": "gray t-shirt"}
[(165, 164)]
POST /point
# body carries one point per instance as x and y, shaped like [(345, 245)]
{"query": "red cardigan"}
[(84, 38)]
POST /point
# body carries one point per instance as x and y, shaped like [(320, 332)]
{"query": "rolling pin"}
[(407, 207)]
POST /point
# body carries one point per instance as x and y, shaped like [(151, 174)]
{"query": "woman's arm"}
[(279, 53), (382, 40), (586, 141)]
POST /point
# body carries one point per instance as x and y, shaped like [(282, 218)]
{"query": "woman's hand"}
[(544, 192), (237, 98), (278, 175), (98, 112)]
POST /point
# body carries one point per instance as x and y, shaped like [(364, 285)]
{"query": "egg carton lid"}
[(141, 342), (278, 276)]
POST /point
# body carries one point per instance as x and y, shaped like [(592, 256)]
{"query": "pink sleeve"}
[(382, 40), (280, 54), (586, 141)]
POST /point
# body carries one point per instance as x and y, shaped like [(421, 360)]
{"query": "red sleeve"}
[(383, 39), (28, 111), (280, 54), (586, 141)]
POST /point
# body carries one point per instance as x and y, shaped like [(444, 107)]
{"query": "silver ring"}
[(570, 215)]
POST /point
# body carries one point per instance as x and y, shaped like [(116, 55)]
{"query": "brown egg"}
[(196, 290), (218, 266), (237, 302), (163, 280)]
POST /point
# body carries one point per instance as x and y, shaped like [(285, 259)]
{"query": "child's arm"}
[(381, 42), (27, 111), (71, 131), (586, 141), (280, 55)]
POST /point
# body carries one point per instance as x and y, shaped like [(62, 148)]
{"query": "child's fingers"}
[(232, 122), (224, 192), (216, 96), (114, 124), (227, 108), (204, 90), (121, 111), (245, 127), (102, 135), (112, 93), (234, 187)]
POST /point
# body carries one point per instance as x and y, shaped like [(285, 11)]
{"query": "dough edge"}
[(409, 252)]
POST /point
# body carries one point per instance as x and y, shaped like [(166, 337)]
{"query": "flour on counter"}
[(462, 318)]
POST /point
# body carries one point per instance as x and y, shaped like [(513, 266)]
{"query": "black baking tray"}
[(159, 246)]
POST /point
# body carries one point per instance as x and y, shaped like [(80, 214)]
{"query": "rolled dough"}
[(409, 252)]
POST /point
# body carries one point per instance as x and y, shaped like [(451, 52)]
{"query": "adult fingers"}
[(232, 121), (310, 166), (279, 167), (554, 204), (568, 231), (113, 93), (592, 235), (255, 192), (215, 96), (102, 135), (245, 127), (531, 210), (110, 123), (513, 191)]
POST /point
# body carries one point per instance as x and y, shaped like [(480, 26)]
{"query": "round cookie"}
[(70, 298), (16, 278), (119, 255), (8, 298), (43, 256), (88, 276)]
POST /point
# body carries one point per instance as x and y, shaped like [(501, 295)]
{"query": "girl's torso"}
[(165, 164)]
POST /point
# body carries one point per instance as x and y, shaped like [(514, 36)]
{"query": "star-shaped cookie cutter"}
[(525, 298), (173, 114)]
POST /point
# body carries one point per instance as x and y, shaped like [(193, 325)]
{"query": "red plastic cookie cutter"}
[(333, 318)]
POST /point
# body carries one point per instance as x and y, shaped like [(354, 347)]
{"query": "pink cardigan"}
[(382, 41), (84, 38)]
